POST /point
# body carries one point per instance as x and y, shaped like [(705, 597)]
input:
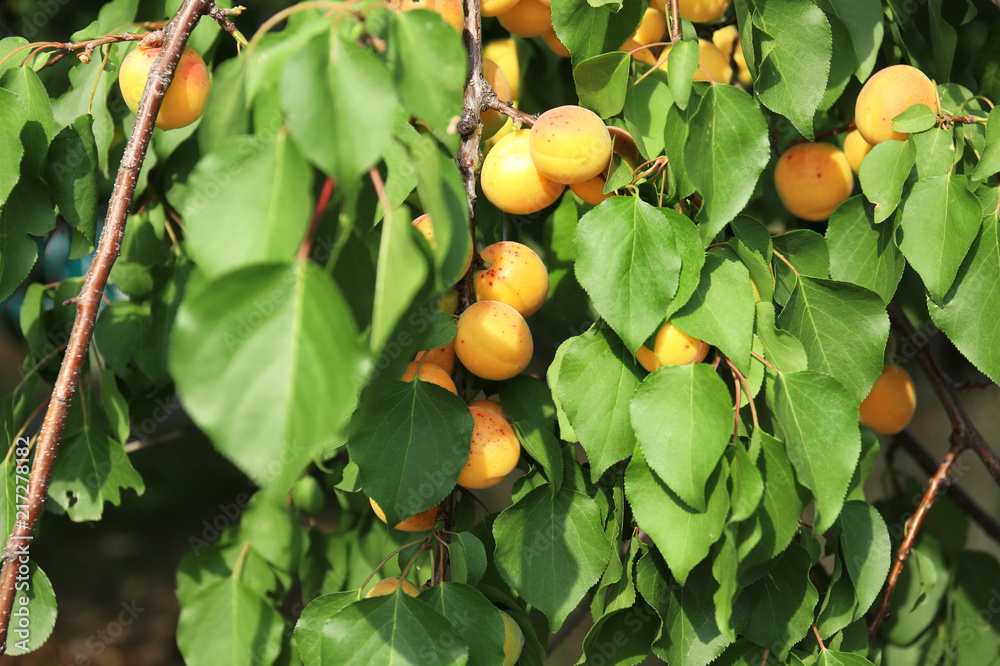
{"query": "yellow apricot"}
[(570, 144), (443, 357), (652, 27), (494, 453), (727, 40), (448, 302), (493, 340), (643, 55), (450, 10), (513, 640), (891, 402), (812, 179), (855, 149), (185, 98), (504, 53), (489, 405), (553, 42), (489, 143), (426, 227), (711, 63), (528, 18), (672, 347), (494, 120), (428, 372), (417, 523), (389, 585), (511, 181), (513, 274), (497, 7), (887, 94), (591, 191), (702, 11)]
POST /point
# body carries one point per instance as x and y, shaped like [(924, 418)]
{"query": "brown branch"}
[(175, 37), (491, 101), (444, 516), (324, 199), (88, 47)]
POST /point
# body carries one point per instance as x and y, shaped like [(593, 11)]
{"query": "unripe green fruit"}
[(307, 496)]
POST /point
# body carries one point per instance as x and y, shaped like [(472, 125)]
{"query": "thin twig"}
[(324, 199), (175, 37), (675, 21), (818, 639)]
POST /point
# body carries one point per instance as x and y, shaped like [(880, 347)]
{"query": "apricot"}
[(504, 53), (390, 585), (890, 404), (514, 275), (494, 453), (428, 372), (185, 97), (426, 227), (855, 149), (553, 43), (813, 179), (493, 340), (448, 301), (494, 120), (449, 10), (443, 357), (418, 523), (652, 27), (511, 181), (570, 144), (490, 406), (528, 18), (887, 94), (711, 63), (591, 191), (496, 7), (643, 55), (727, 40), (671, 347), (513, 640), (702, 11), (489, 143)]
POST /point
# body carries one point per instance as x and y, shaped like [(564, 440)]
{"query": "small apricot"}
[(449, 10), (185, 97), (727, 40), (493, 340), (570, 144), (493, 120), (671, 347), (702, 11), (390, 585), (489, 405), (528, 18), (511, 181), (417, 523), (426, 227), (591, 191), (443, 357), (496, 7), (494, 452), (553, 43), (504, 53), (652, 27), (887, 94), (890, 404), (514, 275), (428, 372), (855, 149), (812, 179), (513, 640)]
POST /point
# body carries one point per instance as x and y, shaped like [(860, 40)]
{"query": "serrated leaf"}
[(527, 403), (831, 658), (602, 82), (692, 258), (867, 552), (792, 75), (695, 638), (785, 601), (682, 416), (862, 252), (819, 421), (267, 363), (26, 212), (863, 20), (966, 316), (37, 604), (622, 637), (883, 173), (916, 118), (13, 115), (551, 549), (402, 273), (805, 250), (747, 484), (596, 380), (587, 31), (941, 218), (627, 260), (443, 197), (309, 627), (843, 328), (71, 171), (726, 117), (782, 348), (935, 152), (682, 63), (474, 618), (989, 163), (91, 469), (646, 105), (468, 558), (88, 93)]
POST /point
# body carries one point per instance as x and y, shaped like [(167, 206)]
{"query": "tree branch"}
[(675, 21), (175, 37)]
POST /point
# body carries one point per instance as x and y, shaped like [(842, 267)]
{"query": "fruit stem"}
[(390, 556), (324, 198)]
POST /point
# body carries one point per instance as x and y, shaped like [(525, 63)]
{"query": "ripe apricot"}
[(443, 357), (672, 347), (426, 227), (389, 585), (813, 179), (727, 40), (591, 191), (494, 453), (185, 97), (428, 372), (570, 144), (891, 402), (511, 181), (489, 405), (493, 340), (417, 523), (494, 120), (497, 7), (553, 43), (514, 275), (513, 640), (448, 302), (702, 11), (504, 53), (887, 94), (450, 10), (711, 63), (528, 18), (652, 27), (855, 149)]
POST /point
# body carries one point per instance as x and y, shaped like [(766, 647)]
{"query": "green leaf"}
[(862, 252), (882, 174), (622, 637), (863, 20), (978, 636), (468, 558), (692, 258), (271, 527), (402, 274), (920, 591), (866, 550), (596, 380), (428, 65), (602, 82), (115, 406), (935, 152), (916, 118), (646, 106), (695, 638), (88, 94), (785, 601), (589, 31), (26, 212), (91, 469), (71, 171), (628, 262), (443, 197), (782, 348), (726, 117), (941, 218), (721, 310), (13, 116), (551, 549), (143, 250), (225, 113), (410, 445), (966, 316), (475, 620), (35, 605), (989, 163), (267, 363), (309, 628), (843, 328), (682, 535), (792, 76), (806, 250), (747, 484), (226, 622), (528, 405), (682, 63), (320, 88), (819, 421), (683, 418)]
